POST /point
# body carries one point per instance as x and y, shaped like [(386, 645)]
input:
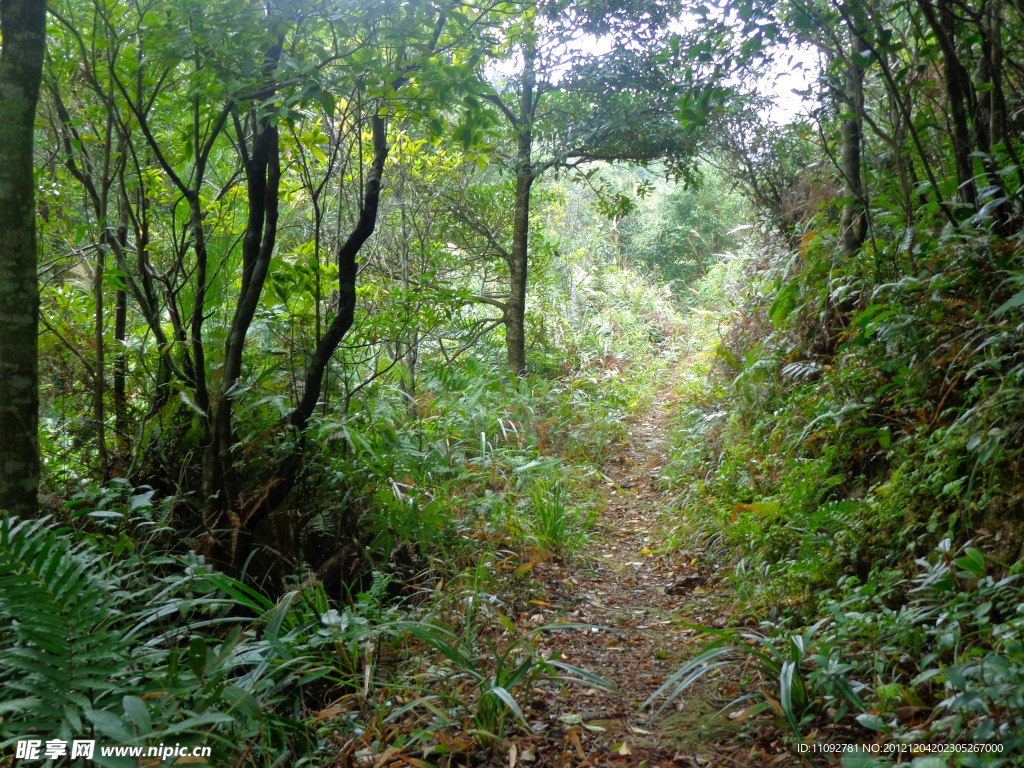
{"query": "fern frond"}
[(60, 646)]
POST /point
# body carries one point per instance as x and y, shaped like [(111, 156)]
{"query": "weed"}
[(801, 690), (497, 676), (553, 524)]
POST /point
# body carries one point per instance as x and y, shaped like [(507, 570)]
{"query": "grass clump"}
[(552, 523)]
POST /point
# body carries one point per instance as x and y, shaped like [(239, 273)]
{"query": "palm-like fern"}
[(61, 650)]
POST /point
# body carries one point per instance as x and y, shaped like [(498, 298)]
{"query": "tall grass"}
[(553, 524)]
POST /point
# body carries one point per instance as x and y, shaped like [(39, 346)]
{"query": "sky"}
[(792, 69)]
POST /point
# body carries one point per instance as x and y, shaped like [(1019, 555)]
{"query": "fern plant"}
[(82, 649), (61, 649)]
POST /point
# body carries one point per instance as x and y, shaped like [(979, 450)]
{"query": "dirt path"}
[(643, 598)]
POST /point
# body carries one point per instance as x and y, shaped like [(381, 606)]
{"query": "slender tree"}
[(564, 109)]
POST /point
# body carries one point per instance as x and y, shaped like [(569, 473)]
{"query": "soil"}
[(645, 605), (641, 600)]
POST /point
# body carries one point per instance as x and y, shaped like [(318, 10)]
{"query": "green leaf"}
[(690, 673), (506, 697), (874, 722), (64, 599), (956, 677), (974, 562), (859, 759), (197, 656), (784, 303), (111, 725), (135, 710), (787, 696), (583, 674), (189, 404)]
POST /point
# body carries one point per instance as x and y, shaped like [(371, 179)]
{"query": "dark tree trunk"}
[(983, 109), (23, 27), (99, 378), (212, 477), (958, 93), (120, 359), (999, 130), (982, 121), (263, 176), (515, 308), (854, 220), (348, 271), (407, 352)]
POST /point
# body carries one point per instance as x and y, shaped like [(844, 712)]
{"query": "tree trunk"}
[(23, 27), (958, 94), (515, 308), (120, 359), (407, 352), (212, 471), (348, 271), (999, 130), (99, 379), (982, 121), (263, 176), (854, 220)]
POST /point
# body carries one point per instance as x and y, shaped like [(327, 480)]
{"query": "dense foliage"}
[(343, 308), (855, 432)]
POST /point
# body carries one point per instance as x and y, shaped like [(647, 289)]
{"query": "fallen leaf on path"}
[(906, 714), (740, 715), (415, 762), (574, 736), (525, 568), (776, 707), (329, 712)]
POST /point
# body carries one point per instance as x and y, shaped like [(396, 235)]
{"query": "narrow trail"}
[(640, 597)]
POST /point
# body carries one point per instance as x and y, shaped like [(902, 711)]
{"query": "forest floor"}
[(642, 600), (643, 594)]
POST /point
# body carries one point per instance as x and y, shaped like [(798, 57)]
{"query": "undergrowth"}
[(419, 640), (852, 447)]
